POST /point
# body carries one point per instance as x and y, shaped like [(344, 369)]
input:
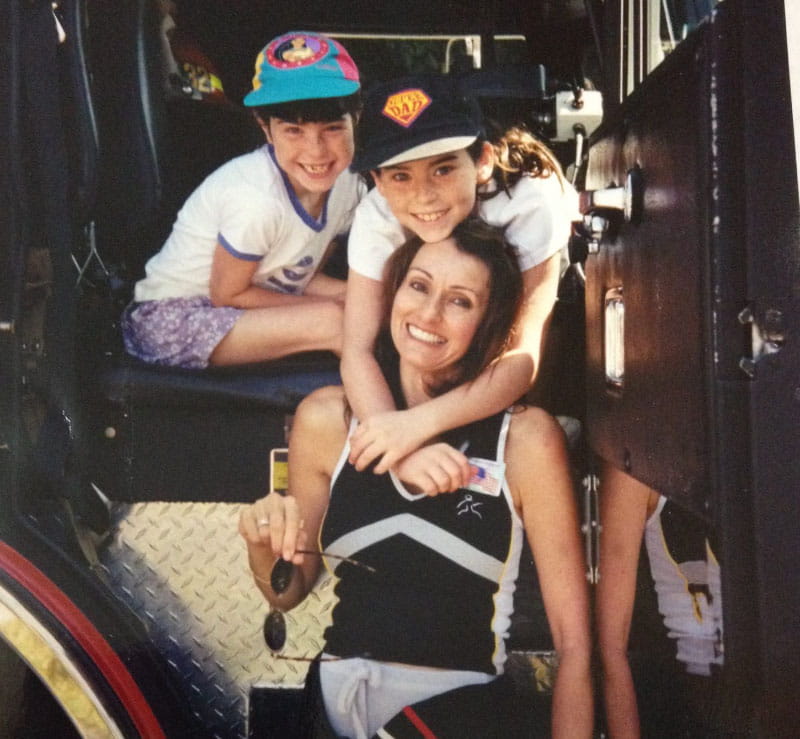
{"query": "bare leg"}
[(271, 333)]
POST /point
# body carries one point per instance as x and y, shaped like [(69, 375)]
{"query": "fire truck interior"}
[(129, 476)]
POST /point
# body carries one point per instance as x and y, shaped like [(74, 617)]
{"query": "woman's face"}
[(438, 307)]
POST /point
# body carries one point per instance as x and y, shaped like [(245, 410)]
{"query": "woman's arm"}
[(396, 435), (318, 435), (539, 477), (624, 505)]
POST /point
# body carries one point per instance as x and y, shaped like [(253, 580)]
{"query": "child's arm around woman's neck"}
[(367, 390), (392, 435)]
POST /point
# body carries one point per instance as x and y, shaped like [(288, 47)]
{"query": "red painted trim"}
[(91, 640), (419, 724)]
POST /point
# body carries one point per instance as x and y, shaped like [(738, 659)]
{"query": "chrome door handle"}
[(627, 199)]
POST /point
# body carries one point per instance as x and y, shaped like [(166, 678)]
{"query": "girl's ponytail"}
[(518, 153)]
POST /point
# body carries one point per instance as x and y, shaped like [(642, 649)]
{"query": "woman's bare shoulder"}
[(536, 455), (323, 406), (319, 431), (530, 424)]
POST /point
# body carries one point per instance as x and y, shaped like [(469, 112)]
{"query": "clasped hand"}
[(384, 438), (393, 440), (433, 469)]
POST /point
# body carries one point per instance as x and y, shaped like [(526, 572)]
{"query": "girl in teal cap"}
[(238, 278)]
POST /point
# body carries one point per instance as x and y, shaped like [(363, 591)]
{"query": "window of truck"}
[(649, 31), (386, 56)]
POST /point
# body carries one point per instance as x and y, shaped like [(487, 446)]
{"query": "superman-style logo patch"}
[(406, 106)]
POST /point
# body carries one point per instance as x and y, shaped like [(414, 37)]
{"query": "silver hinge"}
[(590, 528)]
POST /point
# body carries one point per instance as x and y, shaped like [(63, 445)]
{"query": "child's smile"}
[(431, 196), (312, 155), (430, 217)]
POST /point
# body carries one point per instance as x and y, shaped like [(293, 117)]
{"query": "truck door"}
[(692, 306)]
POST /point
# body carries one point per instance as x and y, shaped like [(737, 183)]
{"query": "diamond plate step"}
[(182, 567)]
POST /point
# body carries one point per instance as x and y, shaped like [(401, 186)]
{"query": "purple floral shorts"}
[(177, 332)]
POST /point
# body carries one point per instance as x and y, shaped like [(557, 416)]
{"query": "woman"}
[(433, 606), (678, 695)]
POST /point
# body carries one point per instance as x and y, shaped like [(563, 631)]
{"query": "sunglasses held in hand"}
[(279, 580)]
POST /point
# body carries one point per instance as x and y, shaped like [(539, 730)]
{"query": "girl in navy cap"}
[(422, 140), (237, 280)]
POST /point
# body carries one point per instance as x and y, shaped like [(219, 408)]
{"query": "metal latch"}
[(767, 336)]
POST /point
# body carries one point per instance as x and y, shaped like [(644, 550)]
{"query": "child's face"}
[(312, 155), (431, 196)]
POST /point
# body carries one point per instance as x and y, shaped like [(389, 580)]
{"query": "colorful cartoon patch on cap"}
[(296, 50), (406, 106)]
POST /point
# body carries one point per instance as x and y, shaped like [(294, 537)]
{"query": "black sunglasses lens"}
[(275, 630), (281, 575)]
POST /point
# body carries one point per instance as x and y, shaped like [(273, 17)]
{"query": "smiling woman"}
[(463, 295), (434, 317), (437, 311), (453, 304)]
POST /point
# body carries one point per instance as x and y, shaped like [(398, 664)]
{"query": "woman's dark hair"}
[(317, 110), (494, 333), (517, 154)]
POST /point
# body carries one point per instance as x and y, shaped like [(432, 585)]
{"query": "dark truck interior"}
[(145, 142), (104, 427)]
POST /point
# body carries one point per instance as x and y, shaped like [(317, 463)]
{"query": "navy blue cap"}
[(414, 117)]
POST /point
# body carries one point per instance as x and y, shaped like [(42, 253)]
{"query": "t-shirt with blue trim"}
[(249, 207)]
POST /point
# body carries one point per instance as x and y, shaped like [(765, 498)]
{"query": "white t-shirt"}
[(537, 216), (247, 206)]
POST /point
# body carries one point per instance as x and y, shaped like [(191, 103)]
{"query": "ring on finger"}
[(263, 521)]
